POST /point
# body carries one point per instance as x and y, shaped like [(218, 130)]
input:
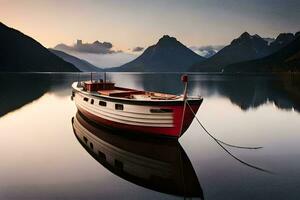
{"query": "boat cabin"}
[(93, 86)]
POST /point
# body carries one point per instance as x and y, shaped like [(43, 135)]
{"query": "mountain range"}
[(81, 64), (167, 55), (283, 60), (247, 53), (21, 53), (244, 48)]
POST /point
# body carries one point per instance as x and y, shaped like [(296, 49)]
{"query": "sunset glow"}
[(129, 23)]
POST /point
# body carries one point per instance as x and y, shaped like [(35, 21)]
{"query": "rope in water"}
[(225, 143), (219, 142)]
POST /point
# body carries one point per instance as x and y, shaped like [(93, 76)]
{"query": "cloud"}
[(207, 51), (137, 49), (95, 47)]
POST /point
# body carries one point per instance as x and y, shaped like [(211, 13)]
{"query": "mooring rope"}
[(219, 142), (225, 143)]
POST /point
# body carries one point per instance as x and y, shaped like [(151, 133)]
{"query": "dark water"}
[(43, 157)]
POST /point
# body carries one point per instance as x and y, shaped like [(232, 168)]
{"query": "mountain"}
[(21, 53), (285, 59), (168, 55), (281, 41), (81, 64), (246, 47)]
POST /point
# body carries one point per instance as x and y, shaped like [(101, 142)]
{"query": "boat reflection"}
[(162, 166)]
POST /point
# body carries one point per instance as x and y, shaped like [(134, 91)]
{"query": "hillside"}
[(21, 53), (286, 59)]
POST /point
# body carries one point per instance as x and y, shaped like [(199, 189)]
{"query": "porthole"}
[(161, 110), (101, 155), (102, 103), (119, 165), (85, 139), (85, 99), (119, 107)]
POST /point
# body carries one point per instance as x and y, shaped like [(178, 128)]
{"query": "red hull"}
[(180, 123)]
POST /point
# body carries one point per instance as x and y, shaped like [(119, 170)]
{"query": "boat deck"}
[(137, 94), (108, 89)]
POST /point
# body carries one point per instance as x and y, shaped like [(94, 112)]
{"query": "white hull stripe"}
[(141, 112), (125, 120)]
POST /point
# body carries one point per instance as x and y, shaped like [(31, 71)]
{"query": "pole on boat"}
[(104, 85), (184, 79), (91, 76)]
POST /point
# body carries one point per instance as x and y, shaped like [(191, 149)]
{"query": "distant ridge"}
[(284, 60), (281, 41), (167, 55), (81, 64), (245, 48), (21, 53)]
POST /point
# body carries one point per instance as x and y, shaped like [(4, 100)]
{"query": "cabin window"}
[(85, 139), (92, 101), (119, 165), (101, 155), (119, 107), (102, 103), (91, 145), (161, 110), (85, 99)]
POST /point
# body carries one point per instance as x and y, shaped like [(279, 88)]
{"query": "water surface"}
[(41, 157)]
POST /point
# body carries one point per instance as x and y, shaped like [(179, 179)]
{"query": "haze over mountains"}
[(20, 53), (81, 64), (207, 51), (246, 47), (167, 55)]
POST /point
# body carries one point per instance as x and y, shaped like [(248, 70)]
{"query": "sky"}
[(136, 23)]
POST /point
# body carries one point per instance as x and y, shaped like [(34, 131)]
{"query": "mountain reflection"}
[(159, 165), (252, 92), (19, 89)]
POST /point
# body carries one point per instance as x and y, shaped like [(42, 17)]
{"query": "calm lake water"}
[(42, 158)]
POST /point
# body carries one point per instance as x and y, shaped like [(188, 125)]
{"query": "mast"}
[(184, 79), (104, 85)]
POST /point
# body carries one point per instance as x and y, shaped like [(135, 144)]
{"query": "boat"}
[(152, 163), (136, 111)]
